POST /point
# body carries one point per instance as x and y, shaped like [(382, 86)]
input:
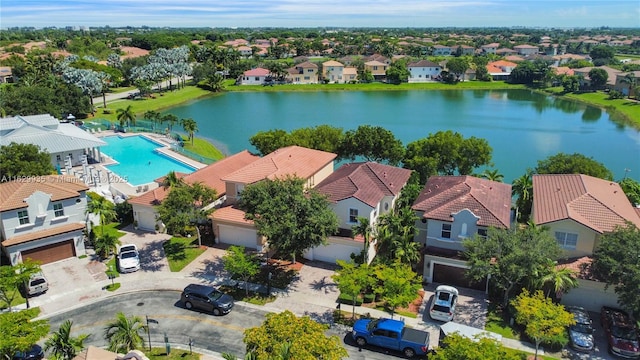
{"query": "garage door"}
[(51, 253), (452, 275), (333, 252), (238, 236)]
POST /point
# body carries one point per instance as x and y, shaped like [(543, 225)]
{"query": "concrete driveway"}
[(71, 275), (471, 309), (152, 257)]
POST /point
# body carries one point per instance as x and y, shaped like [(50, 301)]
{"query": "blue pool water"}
[(138, 161)]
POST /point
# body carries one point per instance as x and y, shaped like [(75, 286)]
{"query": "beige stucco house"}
[(332, 72)]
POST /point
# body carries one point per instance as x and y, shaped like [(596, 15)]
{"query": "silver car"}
[(128, 259)]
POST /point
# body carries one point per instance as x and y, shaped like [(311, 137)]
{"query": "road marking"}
[(174, 317)]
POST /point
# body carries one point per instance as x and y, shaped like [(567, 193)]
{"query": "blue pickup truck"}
[(391, 334)]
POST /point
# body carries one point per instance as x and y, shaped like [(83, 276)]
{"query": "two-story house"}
[(423, 71), (489, 48), (365, 189), (332, 72), (229, 224), (526, 49), (578, 209), (255, 76), (303, 73), (378, 69), (441, 50), (43, 218), (454, 208)]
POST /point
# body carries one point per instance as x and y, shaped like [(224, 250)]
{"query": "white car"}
[(444, 302), (128, 258)]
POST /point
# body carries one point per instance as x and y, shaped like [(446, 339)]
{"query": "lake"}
[(521, 126)]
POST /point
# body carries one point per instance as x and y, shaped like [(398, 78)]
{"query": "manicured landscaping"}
[(239, 294), (181, 251), (497, 324), (112, 229), (377, 86), (175, 354), (204, 148), (112, 287), (16, 301)]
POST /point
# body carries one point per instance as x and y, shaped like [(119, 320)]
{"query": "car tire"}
[(217, 312), (409, 352), (361, 341), (188, 305)]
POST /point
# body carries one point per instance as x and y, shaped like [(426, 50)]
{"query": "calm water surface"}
[(522, 127)]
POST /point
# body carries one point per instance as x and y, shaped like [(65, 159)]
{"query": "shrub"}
[(369, 298), (348, 299)]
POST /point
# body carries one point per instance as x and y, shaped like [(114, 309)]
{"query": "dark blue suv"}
[(206, 298)]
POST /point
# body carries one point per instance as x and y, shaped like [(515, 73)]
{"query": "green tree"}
[(509, 257), (602, 52), (322, 137), (171, 180), (558, 279), (493, 175), (62, 345), (543, 320), (291, 220), (190, 126), (617, 261), (154, 116), (522, 188), (171, 119), (17, 160), (20, 331), (399, 285), (456, 346), (214, 82), (446, 153), (598, 77), (126, 116), (397, 72), (576, 163), (106, 244), (631, 188), (13, 277), (458, 66), (125, 333), (363, 228), (373, 143), (306, 337), (352, 279), (185, 205), (571, 83), (240, 264), (102, 208), (269, 141)]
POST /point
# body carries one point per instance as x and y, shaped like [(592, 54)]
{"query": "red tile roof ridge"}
[(13, 193)]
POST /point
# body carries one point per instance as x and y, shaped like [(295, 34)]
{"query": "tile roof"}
[(595, 203), (230, 213), (210, 175), (307, 64), (58, 230), (445, 195), (14, 193), (331, 63), (582, 267), (288, 161), (423, 63), (368, 182), (256, 72)]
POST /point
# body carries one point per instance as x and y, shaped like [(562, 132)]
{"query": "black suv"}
[(206, 298)]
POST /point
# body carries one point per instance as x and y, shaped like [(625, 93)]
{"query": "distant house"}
[(489, 48), (585, 80), (6, 74), (303, 73), (464, 49), (332, 72), (501, 69), (451, 209), (506, 52), (245, 51), (442, 50), (622, 83), (377, 69), (526, 49), (43, 219), (356, 190), (255, 76), (423, 70), (350, 74)]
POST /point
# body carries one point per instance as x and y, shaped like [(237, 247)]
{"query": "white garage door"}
[(146, 221), (333, 252), (591, 296), (238, 236)]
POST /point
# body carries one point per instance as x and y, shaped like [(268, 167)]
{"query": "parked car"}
[(621, 332), (36, 285), (206, 298), (444, 303), (34, 353), (581, 333), (391, 334), (128, 258)]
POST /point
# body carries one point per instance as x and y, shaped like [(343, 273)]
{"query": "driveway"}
[(471, 309), (71, 275), (152, 258)]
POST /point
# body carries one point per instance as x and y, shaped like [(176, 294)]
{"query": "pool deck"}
[(116, 186)]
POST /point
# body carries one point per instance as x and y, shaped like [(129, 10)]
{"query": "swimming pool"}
[(138, 161)]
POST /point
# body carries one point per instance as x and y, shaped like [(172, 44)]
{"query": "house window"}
[(307, 78), (566, 240), (353, 215), (23, 217), (446, 231), (58, 158), (482, 232), (58, 210)]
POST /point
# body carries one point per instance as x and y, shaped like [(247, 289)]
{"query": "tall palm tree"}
[(492, 175), (560, 279), (153, 116), (522, 187), (62, 345), (171, 119), (106, 245), (126, 115), (171, 180), (363, 228), (406, 250), (190, 126), (103, 208), (125, 334)]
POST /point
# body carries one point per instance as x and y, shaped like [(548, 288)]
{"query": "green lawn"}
[(16, 301), (496, 323), (176, 354), (108, 229), (204, 148), (240, 294), (181, 251)]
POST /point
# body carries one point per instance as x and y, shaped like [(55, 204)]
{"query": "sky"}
[(321, 13)]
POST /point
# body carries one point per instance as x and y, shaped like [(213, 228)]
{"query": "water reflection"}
[(453, 95), (591, 114), (568, 107)]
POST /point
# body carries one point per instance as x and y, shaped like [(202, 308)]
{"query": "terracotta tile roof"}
[(256, 72), (514, 58), (58, 230), (493, 69), (307, 64), (595, 203), (423, 63), (580, 266), (13, 193), (292, 160), (230, 213), (444, 195), (503, 63), (210, 175), (562, 70), (368, 182), (331, 63)]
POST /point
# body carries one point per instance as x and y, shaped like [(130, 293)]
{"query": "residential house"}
[(332, 72), (585, 80), (144, 206), (229, 224), (66, 143), (303, 73), (441, 50), (423, 70), (377, 57), (506, 52), (578, 209), (245, 51), (43, 218), (501, 69), (489, 48), (255, 76), (350, 74), (624, 82), (6, 74), (365, 189), (451, 209), (526, 49), (377, 69), (464, 50)]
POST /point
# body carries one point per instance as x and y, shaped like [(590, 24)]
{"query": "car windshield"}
[(372, 325), (127, 248), (215, 295), (441, 308), (626, 333), (582, 328), (128, 255)]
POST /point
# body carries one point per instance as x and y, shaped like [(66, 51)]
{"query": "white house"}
[(255, 76), (358, 190), (423, 70), (526, 49), (42, 218), (332, 72), (451, 209)]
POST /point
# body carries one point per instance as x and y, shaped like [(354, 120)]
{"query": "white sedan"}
[(444, 303), (128, 258)]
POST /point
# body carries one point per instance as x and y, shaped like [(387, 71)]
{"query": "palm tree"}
[(124, 334), (406, 250), (560, 279), (190, 126), (106, 245), (522, 187), (154, 116), (103, 208), (126, 115), (363, 228), (630, 80), (171, 119), (62, 346), (214, 82), (492, 175), (171, 180)]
